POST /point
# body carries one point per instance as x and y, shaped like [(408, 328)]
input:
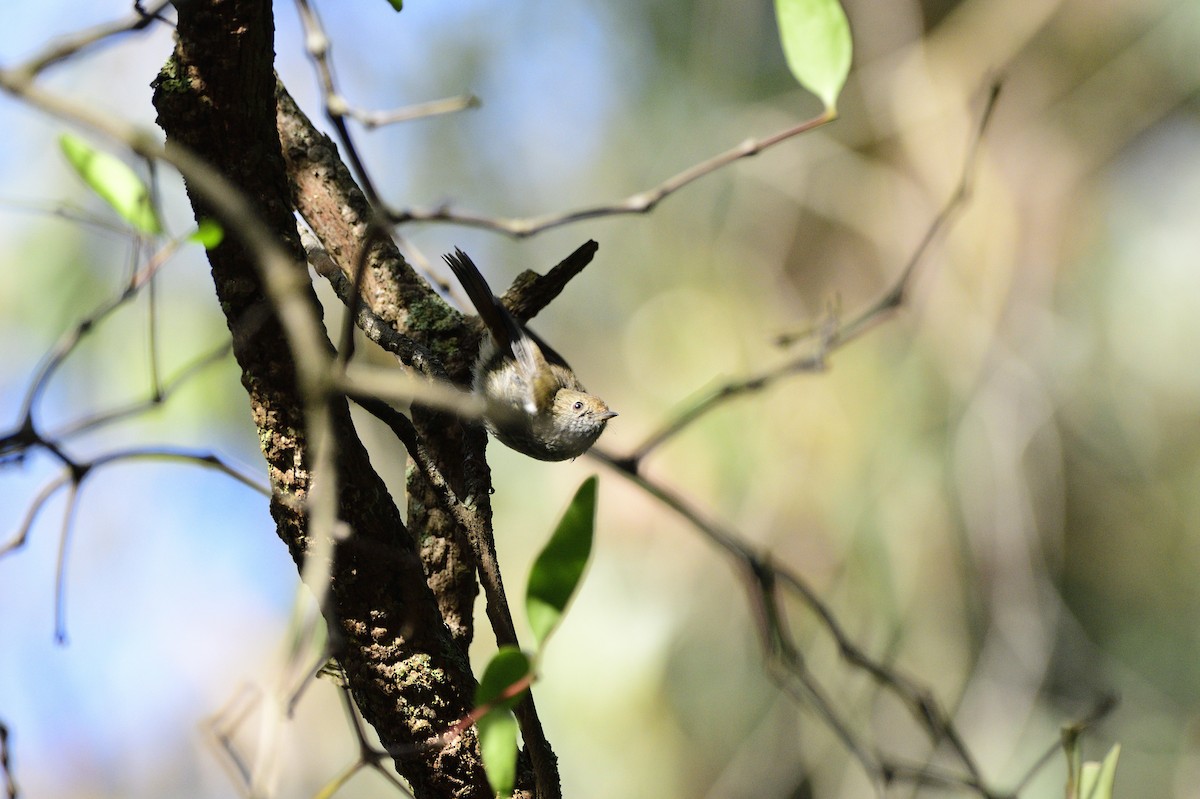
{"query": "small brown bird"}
[(536, 404)]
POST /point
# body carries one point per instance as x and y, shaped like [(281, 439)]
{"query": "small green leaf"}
[(397, 5), (508, 667), (1096, 779), (114, 181), (208, 233), (559, 567), (816, 43), (498, 747), (497, 728)]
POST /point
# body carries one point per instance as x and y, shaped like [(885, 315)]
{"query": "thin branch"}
[(10, 782), (765, 577), (209, 460), (69, 340), (67, 212), (814, 362), (152, 346), (157, 397), (223, 725), (63, 49), (318, 45), (32, 512), (338, 781), (76, 477), (395, 385), (65, 345), (831, 335), (368, 755), (60, 566), (531, 292), (919, 701), (432, 108), (640, 203), (1105, 705), (895, 296)]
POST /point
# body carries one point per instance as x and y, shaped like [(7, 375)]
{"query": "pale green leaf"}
[(1096, 779), (208, 233), (559, 568), (499, 690), (498, 747), (114, 181), (508, 667), (817, 45)]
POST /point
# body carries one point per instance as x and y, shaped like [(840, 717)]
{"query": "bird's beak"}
[(606, 415)]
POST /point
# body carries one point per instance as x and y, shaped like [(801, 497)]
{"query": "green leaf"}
[(498, 747), (559, 567), (507, 667), (1096, 779), (497, 728), (208, 233), (114, 181), (816, 43), (397, 5)]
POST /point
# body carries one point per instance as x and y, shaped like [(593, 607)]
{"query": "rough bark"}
[(409, 676), (338, 214)]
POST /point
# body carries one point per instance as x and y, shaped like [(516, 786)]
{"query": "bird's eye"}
[(578, 405)]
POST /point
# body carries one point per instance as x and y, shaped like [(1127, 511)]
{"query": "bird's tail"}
[(500, 323)]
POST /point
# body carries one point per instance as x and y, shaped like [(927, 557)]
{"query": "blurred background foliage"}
[(997, 489)]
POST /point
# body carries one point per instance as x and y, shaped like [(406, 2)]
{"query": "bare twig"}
[(697, 408), (895, 296), (831, 334), (1103, 707), (10, 783), (78, 473), (531, 292), (640, 203), (208, 460), (368, 755), (65, 345), (60, 566), (68, 212), (158, 396), (32, 512), (318, 45), (447, 105), (63, 49), (283, 281), (223, 725), (765, 579)]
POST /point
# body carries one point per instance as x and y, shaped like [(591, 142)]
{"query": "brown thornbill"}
[(535, 403)]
